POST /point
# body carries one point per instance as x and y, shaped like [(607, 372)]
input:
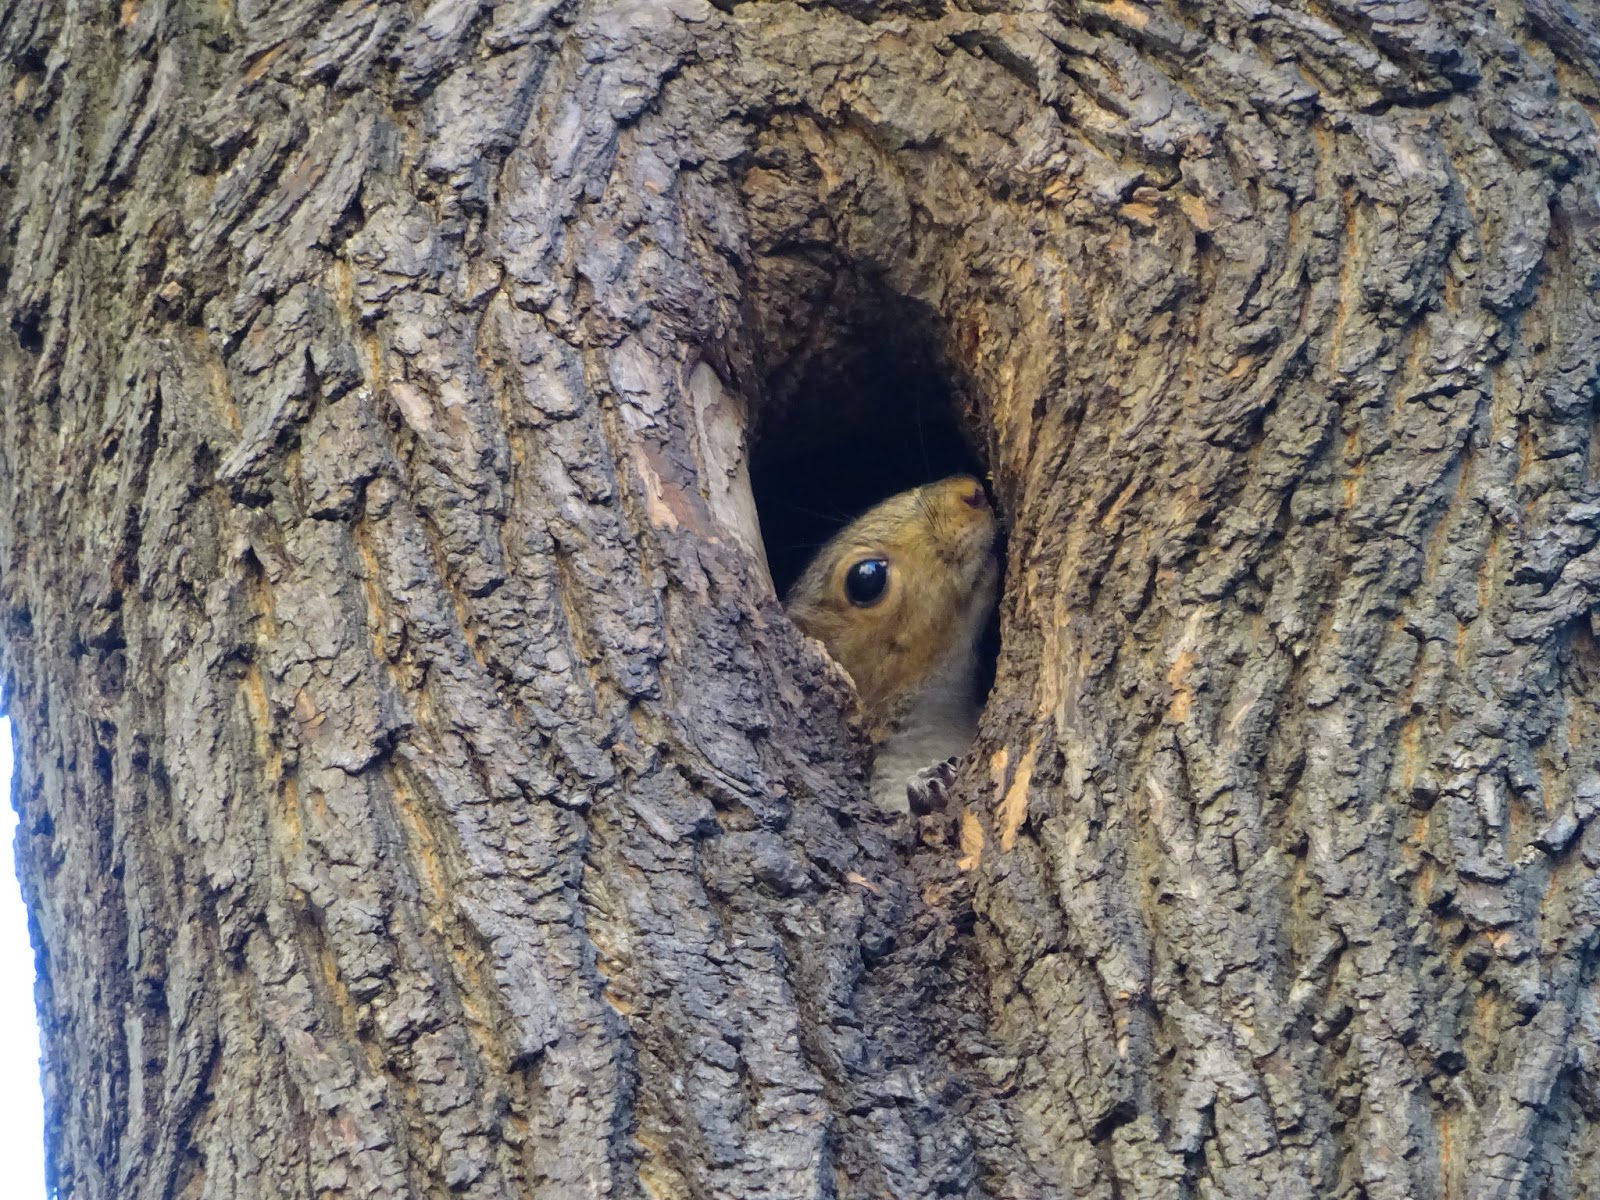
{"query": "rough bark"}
[(422, 790)]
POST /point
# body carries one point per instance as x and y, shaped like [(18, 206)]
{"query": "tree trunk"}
[(422, 790)]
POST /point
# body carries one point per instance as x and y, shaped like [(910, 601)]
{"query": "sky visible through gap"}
[(21, 1108)]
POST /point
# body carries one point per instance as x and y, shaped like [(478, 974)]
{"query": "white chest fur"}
[(940, 720)]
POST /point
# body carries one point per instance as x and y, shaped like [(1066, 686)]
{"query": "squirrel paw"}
[(928, 790)]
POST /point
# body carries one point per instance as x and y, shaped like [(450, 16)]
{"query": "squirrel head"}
[(902, 588)]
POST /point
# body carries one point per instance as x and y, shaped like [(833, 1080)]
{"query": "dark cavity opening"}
[(857, 407)]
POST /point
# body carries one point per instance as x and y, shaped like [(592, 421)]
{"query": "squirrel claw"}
[(929, 789)]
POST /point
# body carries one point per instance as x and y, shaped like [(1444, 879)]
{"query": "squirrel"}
[(900, 597)]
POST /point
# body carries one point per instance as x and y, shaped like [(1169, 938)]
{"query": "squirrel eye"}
[(865, 581)]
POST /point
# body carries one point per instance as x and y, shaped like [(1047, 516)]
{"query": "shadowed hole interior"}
[(862, 411), (862, 405)]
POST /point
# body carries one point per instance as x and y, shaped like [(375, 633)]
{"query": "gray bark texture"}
[(423, 793)]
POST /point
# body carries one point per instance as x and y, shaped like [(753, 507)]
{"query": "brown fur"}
[(938, 548)]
